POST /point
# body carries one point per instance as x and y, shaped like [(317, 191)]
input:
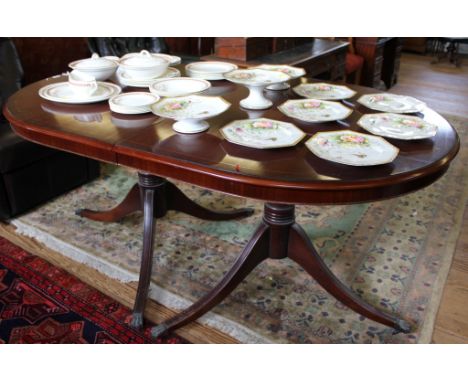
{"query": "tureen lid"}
[(95, 62), (144, 58)]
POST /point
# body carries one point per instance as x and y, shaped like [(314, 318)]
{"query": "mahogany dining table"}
[(281, 177)]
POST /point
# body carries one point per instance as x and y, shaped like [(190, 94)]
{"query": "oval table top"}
[(284, 175)]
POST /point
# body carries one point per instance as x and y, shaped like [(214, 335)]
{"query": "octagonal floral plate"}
[(324, 91), (262, 133), (352, 148), (313, 110), (397, 126), (190, 111), (291, 71), (392, 103), (256, 77)]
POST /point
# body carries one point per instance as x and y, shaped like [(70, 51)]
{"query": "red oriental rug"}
[(40, 303)]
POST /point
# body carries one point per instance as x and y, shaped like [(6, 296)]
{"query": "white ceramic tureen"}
[(144, 65), (100, 68)]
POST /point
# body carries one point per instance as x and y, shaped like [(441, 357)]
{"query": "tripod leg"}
[(302, 252), (253, 254), (178, 201), (130, 204), (148, 184)]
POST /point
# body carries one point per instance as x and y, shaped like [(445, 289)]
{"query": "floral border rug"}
[(395, 254)]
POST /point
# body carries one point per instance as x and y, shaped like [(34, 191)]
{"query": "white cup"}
[(83, 85)]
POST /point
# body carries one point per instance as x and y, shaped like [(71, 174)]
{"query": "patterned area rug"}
[(395, 254), (42, 304)]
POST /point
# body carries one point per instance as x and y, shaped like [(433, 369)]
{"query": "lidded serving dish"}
[(173, 60), (101, 68), (144, 65)]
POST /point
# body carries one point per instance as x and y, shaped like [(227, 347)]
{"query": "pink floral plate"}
[(392, 103), (352, 148), (262, 133), (313, 110), (190, 111), (397, 126), (324, 91), (291, 71)]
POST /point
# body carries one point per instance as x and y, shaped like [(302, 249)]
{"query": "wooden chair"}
[(353, 64)]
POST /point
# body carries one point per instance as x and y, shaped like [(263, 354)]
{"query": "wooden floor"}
[(444, 88)]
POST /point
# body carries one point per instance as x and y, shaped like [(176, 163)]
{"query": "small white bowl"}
[(177, 87), (100, 68), (144, 65), (133, 102)]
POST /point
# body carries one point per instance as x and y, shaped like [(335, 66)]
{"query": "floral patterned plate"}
[(256, 77), (291, 71), (262, 133), (392, 103), (397, 126), (190, 111), (313, 110), (352, 148), (324, 91), (256, 80)]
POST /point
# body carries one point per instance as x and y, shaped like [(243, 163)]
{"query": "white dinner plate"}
[(126, 80), (133, 102), (62, 92)]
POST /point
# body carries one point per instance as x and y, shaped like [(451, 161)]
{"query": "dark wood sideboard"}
[(321, 58)]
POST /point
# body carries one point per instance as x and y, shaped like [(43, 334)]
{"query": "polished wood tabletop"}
[(287, 175)]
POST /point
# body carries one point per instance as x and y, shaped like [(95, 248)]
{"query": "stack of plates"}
[(209, 70), (133, 102)]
